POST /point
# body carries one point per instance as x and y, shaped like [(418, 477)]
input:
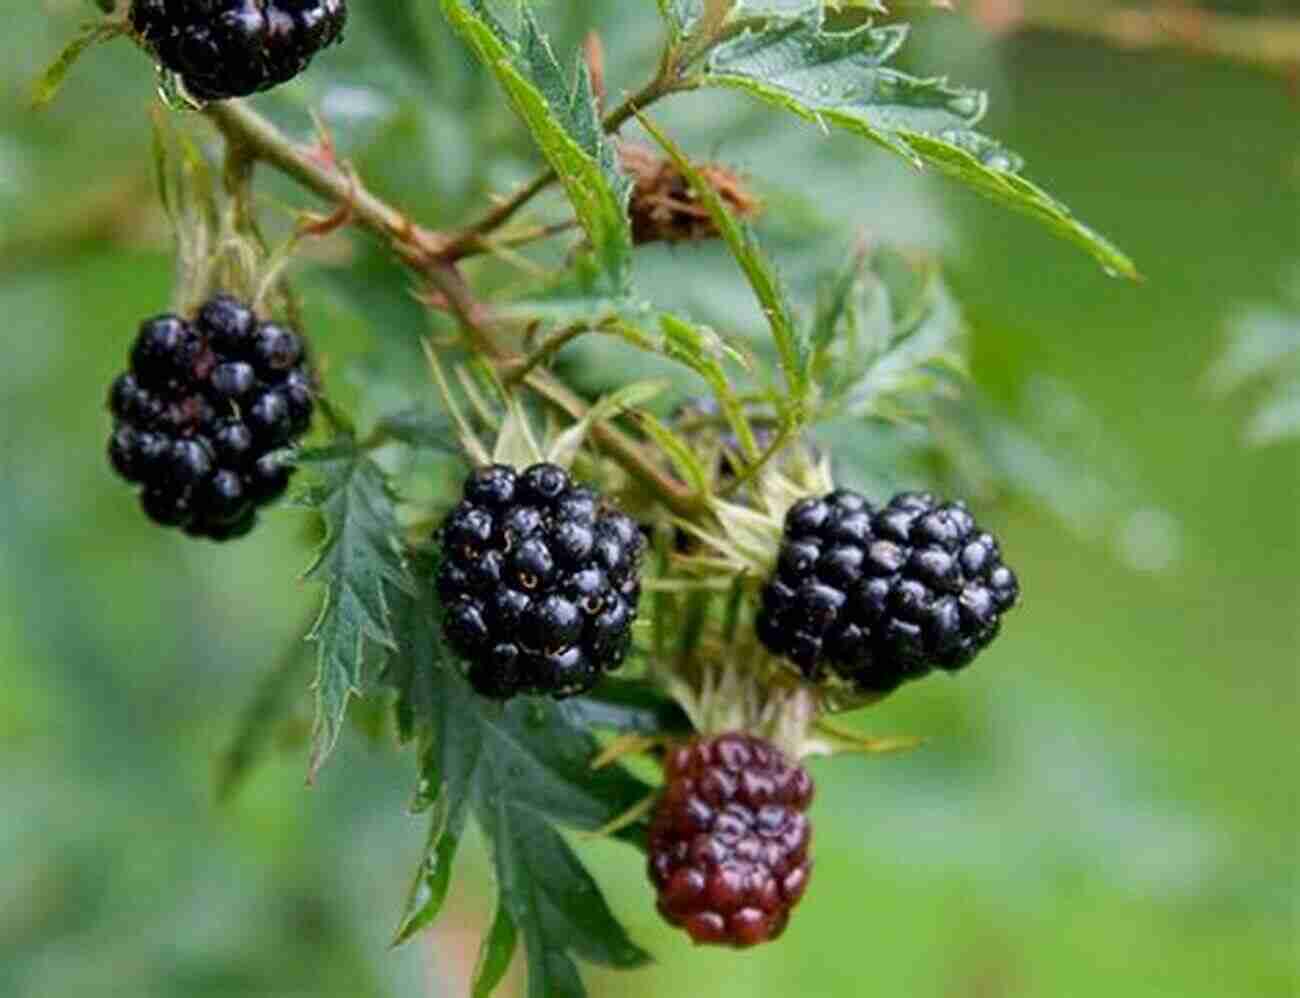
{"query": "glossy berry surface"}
[(200, 412), (729, 840), (233, 48), (540, 582), (883, 596)]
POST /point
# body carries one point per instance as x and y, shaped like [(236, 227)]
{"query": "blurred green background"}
[(1106, 805)]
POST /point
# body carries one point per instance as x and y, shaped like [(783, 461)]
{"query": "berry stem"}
[(427, 252), (244, 126)]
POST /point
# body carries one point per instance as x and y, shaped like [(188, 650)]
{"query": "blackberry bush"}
[(540, 582), (492, 610), (729, 840), (882, 596), (202, 410), (233, 48)]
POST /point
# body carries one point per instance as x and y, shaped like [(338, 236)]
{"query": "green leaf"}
[(681, 16), (496, 953), (628, 707), (840, 78), (700, 349), (565, 123), (46, 86), (892, 337), (521, 770), (420, 428), (361, 568), (433, 879), (792, 345), (696, 347), (833, 301)]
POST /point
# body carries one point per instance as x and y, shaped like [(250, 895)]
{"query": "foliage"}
[(882, 342)]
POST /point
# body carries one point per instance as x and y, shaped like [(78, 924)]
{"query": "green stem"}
[(552, 345)]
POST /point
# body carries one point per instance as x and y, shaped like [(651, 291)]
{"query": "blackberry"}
[(233, 48), (539, 582), (883, 596), (728, 842), (197, 417)]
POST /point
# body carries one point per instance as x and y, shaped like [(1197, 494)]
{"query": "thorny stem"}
[(318, 173), (426, 252)]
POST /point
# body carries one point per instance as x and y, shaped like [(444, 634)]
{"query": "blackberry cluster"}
[(200, 412), (233, 48), (729, 840), (883, 596), (540, 582)]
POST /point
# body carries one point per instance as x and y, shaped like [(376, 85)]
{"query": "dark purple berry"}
[(229, 325), (536, 560), (468, 529), (233, 48), (532, 565), (223, 498), (492, 487), (166, 507), (883, 596), (124, 453), (542, 484), (268, 418), (189, 462), (275, 349), (165, 351), (196, 427), (268, 479), (728, 845), (232, 441), (232, 531), (298, 392), (233, 380)]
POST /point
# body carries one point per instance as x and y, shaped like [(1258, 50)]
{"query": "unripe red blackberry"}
[(233, 48), (540, 582), (728, 842), (884, 596), (197, 417)]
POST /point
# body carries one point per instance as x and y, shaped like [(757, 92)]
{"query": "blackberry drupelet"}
[(884, 596), (233, 48), (200, 412), (540, 582), (728, 842)]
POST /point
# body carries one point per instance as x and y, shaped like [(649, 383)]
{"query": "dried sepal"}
[(664, 208)]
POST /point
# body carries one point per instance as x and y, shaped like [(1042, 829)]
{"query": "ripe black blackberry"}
[(728, 843), (233, 48), (883, 596), (540, 582), (200, 412)]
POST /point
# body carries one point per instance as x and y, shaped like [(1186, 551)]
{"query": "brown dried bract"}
[(663, 206)]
